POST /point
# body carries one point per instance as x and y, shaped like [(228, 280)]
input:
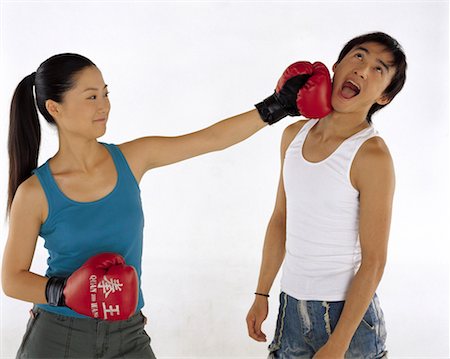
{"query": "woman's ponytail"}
[(24, 136)]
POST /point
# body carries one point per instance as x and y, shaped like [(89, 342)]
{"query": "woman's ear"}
[(52, 108)]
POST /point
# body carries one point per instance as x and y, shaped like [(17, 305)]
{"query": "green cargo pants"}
[(50, 335)]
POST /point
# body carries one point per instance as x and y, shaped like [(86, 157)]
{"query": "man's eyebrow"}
[(385, 66), (361, 48), (93, 88), (368, 52)]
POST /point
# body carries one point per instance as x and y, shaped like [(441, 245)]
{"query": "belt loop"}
[(145, 318)]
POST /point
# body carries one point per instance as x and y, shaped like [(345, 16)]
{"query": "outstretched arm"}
[(157, 151), (304, 88)]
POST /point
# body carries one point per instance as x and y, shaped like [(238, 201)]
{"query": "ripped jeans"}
[(303, 327)]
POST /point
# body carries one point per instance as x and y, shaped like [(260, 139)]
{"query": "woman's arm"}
[(25, 221), (303, 88), (156, 151), (375, 180)]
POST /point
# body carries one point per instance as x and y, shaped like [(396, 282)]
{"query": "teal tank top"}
[(75, 231)]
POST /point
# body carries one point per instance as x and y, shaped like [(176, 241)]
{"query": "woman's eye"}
[(94, 96)]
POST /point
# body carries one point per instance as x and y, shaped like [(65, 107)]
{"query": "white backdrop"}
[(176, 67)]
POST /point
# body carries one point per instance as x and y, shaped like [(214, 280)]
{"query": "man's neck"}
[(340, 125)]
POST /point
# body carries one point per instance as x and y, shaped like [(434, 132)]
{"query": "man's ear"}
[(383, 100), (334, 66)]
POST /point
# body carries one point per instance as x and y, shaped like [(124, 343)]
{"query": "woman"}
[(86, 198)]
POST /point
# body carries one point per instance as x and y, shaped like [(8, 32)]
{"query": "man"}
[(332, 216)]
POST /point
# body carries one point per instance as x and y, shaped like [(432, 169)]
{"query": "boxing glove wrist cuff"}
[(271, 110), (54, 291)]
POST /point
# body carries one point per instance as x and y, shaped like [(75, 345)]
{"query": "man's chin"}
[(342, 106)]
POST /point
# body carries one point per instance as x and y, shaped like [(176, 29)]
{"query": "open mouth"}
[(349, 90)]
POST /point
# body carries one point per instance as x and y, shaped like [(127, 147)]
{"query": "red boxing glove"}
[(314, 98), (104, 287), (299, 69), (303, 89)]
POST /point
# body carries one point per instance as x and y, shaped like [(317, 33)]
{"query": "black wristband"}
[(270, 110), (54, 291), (263, 295), (283, 103)]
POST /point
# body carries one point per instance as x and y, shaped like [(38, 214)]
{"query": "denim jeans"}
[(50, 335), (303, 327)]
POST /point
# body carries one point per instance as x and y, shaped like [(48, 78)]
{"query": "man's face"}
[(361, 78)]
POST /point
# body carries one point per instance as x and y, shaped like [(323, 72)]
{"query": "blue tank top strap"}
[(44, 177), (121, 163), (55, 200)]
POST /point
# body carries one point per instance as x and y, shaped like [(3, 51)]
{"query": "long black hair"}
[(53, 78)]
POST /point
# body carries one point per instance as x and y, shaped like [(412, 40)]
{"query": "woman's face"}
[(85, 108)]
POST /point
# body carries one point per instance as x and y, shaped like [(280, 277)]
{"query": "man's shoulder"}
[(373, 162), (289, 134), (293, 128), (291, 131), (373, 148)]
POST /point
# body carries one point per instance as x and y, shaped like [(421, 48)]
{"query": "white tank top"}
[(322, 238)]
